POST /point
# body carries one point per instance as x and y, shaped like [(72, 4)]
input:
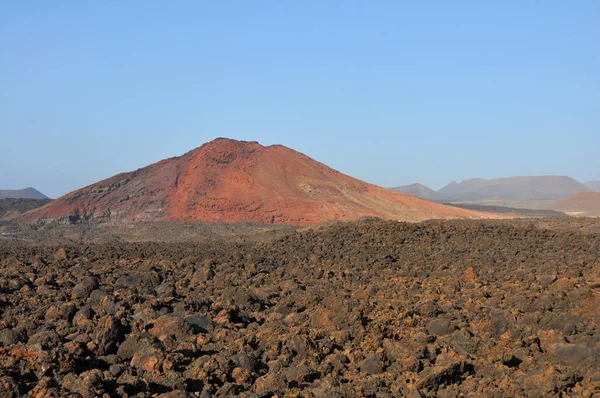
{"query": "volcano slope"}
[(581, 204), (362, 309), (230, 181)]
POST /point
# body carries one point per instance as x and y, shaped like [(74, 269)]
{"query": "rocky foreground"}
[(374, 309)]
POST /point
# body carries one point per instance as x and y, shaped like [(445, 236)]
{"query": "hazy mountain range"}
[(511, 188), (27, 193), (421, 191), (595, 185)]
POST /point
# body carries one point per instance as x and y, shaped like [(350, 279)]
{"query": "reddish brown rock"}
[(270, 383), (228, 181), (370, 308), (60, 255), (8, 387)]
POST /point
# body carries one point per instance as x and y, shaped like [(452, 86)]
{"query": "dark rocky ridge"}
[(376, 309), (11, 208)]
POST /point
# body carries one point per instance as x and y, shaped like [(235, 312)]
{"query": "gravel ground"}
[(371, 308)]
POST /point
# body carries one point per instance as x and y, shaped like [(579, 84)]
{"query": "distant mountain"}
[(595, 185), (514, 188), (230, 181), (580, 204), (420, 190), (456, 190), (27, 193)]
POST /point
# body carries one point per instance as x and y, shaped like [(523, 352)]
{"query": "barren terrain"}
[(370, 308), (580, 204)]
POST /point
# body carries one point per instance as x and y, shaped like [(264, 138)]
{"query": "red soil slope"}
[(580, 204), (227, 181)]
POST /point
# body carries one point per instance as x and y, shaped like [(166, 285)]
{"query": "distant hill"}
[(513, 188), (27, 193), (419, 190), (595, 185), (581, 203), (229, 181)]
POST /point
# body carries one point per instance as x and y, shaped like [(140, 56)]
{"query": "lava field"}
[(361, 309)]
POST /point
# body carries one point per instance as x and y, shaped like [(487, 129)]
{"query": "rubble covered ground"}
[(361, 309)]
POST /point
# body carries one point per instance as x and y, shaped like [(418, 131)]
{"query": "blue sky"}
[(391, 92)]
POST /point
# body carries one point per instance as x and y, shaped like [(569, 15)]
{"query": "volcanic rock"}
[(84, 288), (370, 308)]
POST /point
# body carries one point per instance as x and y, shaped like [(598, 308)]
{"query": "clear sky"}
[(391, 92)]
